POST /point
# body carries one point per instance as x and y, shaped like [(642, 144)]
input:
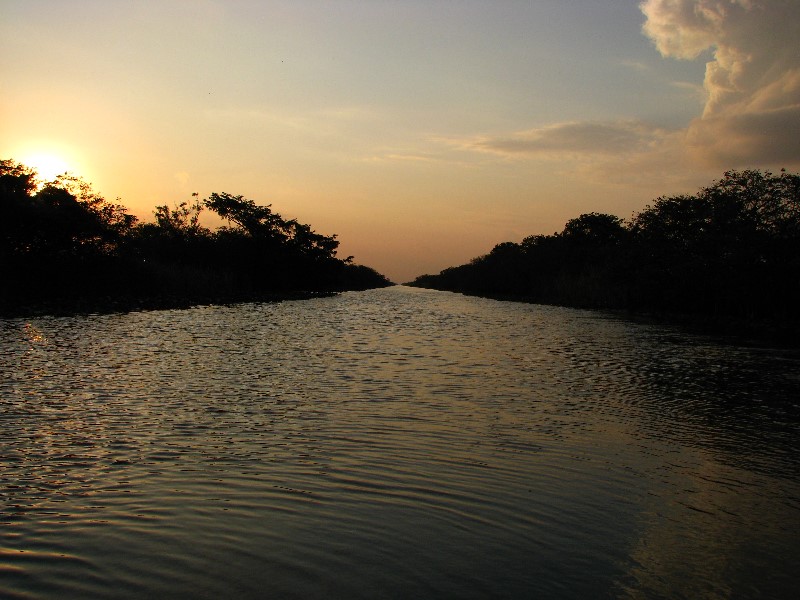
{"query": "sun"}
[(48, 166)]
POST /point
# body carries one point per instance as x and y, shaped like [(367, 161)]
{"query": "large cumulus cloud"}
[(752, 80)]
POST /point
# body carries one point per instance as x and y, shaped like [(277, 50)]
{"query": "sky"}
[(422, 133)]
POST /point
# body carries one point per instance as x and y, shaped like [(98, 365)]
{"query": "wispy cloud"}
[(400, 158), (636, 65), (696, 90), (575, 138)]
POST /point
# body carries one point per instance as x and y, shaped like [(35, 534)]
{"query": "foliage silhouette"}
[(730, 251), (65, 247)]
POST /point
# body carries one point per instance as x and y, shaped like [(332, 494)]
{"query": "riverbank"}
[(116, 304), (726, 259), (66, 249), (750, 332)]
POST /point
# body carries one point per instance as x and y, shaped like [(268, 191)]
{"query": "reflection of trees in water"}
[(736, 402), (723, 531), (740, 401), (710, 433)]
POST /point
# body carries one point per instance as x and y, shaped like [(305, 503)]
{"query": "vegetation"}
[(731, 251), (63, 246)]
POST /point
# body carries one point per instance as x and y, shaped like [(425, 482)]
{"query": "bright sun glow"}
[(48, 166)]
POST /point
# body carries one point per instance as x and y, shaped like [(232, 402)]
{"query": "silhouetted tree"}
[(182, 221), (66, 244), (724, 249), (261, 223), (60, 241), (595, 229), (731, 249)]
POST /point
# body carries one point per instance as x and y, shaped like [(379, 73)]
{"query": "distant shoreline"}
[(726, 259), (65, 250), (753, 331), (109, 305)]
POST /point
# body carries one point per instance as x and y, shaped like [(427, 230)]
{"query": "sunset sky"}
[(421, 132)]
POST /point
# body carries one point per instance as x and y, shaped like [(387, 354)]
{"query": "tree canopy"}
[(62, 242), (732, 249)]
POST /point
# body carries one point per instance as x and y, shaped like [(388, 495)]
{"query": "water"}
[(395, 443)]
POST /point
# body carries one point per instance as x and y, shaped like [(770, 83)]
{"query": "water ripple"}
[(393, 443)]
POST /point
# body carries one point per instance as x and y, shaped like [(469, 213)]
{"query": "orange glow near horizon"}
[(422, 133), (47, 164)]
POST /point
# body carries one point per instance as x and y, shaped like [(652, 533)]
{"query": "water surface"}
[(393, 443)]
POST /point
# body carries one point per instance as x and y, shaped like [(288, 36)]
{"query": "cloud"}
[(635, 65), (694, 89), (752, 83), (587, 138), (748, 106), (394, 157), (754, 136)]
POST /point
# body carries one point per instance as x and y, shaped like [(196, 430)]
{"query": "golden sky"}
[(421, 132)]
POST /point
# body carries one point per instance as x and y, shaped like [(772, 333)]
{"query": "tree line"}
[(732, 250), (63, 245)]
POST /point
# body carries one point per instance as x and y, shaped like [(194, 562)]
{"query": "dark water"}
[(396, 443)]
